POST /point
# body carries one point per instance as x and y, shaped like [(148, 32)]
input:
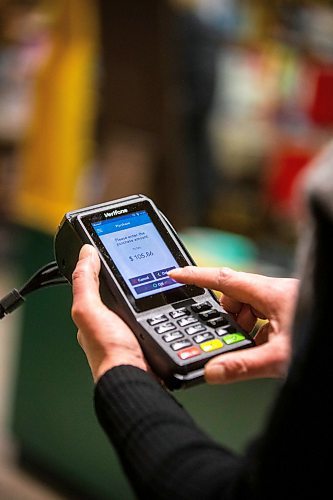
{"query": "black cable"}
[(48, 275)]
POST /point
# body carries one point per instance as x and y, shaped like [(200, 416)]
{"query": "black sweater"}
[(166, 456)]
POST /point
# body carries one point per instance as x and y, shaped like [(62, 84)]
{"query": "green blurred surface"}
[(212, 247), (53, 418)]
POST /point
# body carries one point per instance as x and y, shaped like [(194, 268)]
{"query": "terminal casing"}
[(165, 362)]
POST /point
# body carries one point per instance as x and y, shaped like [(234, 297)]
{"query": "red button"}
[(189, 352)]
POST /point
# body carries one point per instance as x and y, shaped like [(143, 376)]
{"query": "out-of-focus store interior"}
[(213, 108)]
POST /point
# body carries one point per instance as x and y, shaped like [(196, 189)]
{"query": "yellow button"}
[(211, 345)]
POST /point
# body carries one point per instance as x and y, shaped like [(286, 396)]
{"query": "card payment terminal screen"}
[(139, 252)]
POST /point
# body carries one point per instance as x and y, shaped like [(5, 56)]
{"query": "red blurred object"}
[(283, 170), (320, 107)]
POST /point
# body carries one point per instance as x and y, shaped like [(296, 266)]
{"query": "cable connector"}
[(10, 302)]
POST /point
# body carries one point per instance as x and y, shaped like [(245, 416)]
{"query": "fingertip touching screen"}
[(139, 252)]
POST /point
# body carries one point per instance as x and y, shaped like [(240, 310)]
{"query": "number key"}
[(166, 327), (197, 308), (211, 314), (202, 337), (179, 313), (170, 337), (181, 344), (156, 320), (188, 320)]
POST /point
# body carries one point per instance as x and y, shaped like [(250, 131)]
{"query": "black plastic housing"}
[(173, 371)]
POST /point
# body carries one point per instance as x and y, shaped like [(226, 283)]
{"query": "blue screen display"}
[(139, 252)]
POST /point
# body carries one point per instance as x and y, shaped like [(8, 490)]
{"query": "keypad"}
[(195, 330)]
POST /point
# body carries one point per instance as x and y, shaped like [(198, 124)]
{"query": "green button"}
[(232, 338)]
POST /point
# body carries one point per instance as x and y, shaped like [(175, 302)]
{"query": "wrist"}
[(116, 359)]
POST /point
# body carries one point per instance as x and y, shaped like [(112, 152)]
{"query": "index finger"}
[(207, 277), (247, 288)]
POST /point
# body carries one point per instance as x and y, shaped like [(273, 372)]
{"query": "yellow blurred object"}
[(59, 141)]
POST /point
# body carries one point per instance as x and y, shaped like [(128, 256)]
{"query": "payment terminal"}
[(179, 327)]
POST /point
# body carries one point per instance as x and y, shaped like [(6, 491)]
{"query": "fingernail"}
[(215, 374), (176, 269), (86, 252)]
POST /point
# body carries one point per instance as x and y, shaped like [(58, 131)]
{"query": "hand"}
[(106, 340), (249, 297)]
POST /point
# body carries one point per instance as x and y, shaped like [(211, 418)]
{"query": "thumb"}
[(85, 283), (267, 360)]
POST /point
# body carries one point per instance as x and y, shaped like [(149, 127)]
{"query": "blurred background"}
[(215, 109)]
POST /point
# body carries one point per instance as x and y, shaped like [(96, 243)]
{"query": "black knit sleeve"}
[(164, 454)]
